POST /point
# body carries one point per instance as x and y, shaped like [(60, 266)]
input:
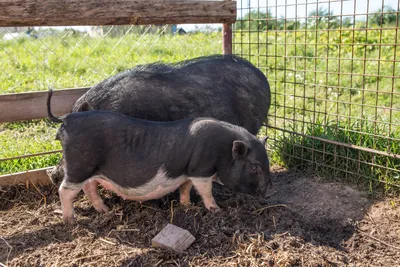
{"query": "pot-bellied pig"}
[(226, 88), (143, 160)]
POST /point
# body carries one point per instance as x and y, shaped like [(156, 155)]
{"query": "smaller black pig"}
[(143, 160)]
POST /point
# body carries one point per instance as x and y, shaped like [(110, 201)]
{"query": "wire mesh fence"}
[(333, 67), (32, 59), (65, 57)]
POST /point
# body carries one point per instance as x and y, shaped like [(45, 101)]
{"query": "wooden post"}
[(227, 38)]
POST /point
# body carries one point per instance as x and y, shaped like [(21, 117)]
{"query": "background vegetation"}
[(332, 79)]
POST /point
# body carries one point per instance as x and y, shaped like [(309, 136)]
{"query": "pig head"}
[(243, 164)]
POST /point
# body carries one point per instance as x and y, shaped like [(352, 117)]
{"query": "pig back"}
[(227, 88)]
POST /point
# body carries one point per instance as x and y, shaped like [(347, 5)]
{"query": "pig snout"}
[(264, 187)]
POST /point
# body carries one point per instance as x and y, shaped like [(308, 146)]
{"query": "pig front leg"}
[(184, 193), (204, 187), (90, 189), (67, 196)]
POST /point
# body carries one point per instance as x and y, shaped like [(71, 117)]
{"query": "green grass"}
[(339, 162), (74, 61), (22, 138), (303, 69), (346, 100), (313, 92)]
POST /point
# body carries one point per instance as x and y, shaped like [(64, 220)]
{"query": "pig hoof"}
[(69, 220), (185, 202), (214, 209), (102, 208)]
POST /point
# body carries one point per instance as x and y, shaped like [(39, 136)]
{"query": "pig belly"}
[(156, 188)]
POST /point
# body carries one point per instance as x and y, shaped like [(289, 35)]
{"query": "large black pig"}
[(224, 87), (143, 160)]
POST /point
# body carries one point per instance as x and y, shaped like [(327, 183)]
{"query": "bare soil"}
[(307, 222)]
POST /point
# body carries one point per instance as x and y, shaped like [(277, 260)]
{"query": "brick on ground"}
[(174, 238)]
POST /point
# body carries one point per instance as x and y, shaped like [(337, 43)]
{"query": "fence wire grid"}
[(32, 58), (333, 67)]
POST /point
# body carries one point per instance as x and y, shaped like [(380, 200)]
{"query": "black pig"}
[(224, 87), (143, 160)]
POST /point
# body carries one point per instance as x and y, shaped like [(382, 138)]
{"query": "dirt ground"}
[(305, 223)]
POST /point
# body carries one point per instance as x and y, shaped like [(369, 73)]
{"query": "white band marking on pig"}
[(160, 185)]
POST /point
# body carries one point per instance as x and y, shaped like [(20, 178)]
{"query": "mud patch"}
[(305, 223)]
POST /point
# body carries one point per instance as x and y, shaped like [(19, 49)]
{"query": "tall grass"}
[(319, 72), (29, 64), (340, 162), (339, 85), (22, 138)]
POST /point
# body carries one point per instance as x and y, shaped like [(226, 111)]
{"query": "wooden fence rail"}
[(119, 12), (38, 176), (29, 106)]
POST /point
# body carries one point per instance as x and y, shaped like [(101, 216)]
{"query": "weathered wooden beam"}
[(119, 12), (37, 177), (28, 106)]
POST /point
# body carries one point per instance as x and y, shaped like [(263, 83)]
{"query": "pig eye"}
[(253, 167)]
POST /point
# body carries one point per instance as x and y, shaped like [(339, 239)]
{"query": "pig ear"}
[(264, 140), (239, 149), (85, 107)]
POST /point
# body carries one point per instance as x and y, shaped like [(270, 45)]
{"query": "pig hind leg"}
[(90, 189), (204, 187), (184, 191), (74, 179), (67, 195)]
